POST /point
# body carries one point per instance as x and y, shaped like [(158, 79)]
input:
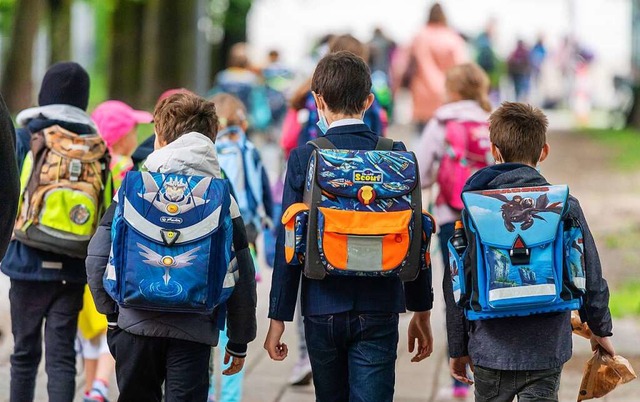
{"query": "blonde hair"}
[(470, 82), (231, 111)]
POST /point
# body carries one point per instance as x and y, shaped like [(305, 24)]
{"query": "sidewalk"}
[(428, 381)]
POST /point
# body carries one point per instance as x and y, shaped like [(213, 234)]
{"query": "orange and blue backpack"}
[(361, 214)]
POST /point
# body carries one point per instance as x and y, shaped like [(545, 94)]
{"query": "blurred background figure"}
[(487, 58), (519, 69), (434, 50)]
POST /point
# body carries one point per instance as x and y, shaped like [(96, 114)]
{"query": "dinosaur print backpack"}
[(171, 244), (361, 215), (524, 254)]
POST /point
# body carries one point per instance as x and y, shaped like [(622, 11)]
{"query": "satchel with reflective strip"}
[(171, 244), (361, 215)]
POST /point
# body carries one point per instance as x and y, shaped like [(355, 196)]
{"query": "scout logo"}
[(367, 176)]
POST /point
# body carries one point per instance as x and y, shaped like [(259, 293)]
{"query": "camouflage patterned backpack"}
[(63, 183)]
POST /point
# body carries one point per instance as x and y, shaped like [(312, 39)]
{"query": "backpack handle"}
[(384, 144)]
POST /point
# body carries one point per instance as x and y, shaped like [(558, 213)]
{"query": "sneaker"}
[(95, 395), (301, 373), (461, 392)]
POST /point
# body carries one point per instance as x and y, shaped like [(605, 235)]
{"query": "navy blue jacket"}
[(334, 295), (22, 262), (536, 342)]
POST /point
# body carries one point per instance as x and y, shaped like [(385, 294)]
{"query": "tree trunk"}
[(125, 55), (169, 47), (17, 86), (60, 30), (235, 30)]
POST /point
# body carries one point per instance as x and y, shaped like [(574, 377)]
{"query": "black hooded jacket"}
[(535, 342)]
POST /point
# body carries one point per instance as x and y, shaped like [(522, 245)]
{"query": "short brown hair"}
[(231, 111), (344, 82), (182, 113), (349, 43), (519, 131)]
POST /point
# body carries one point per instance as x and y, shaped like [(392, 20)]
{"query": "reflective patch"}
[(51, 265), (290, 238), (364, 253)]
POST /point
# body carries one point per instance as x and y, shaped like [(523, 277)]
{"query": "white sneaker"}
[(301, 373)]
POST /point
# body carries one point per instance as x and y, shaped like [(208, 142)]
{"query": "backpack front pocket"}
[(353, 242)]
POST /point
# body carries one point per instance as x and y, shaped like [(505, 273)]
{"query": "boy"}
[(351, 323), (523, 356), (151, 347), (47, 286)]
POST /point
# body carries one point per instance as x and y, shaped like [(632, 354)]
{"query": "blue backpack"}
[(524, 254), (171, 244), (241, 163)]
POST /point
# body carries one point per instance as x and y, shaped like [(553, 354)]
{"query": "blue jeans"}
[(353, 355), (529, 386)]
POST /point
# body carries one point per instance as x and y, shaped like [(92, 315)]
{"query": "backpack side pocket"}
[(294, 220)]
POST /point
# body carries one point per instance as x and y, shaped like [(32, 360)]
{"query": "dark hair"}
[(436, 15), (182, 113), (343, 80), (519, 131)]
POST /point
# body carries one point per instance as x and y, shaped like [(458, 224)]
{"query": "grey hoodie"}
[(191, 154), (536, 342)]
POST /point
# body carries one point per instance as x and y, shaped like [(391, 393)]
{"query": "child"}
[(156, 347), (118, 124), (458, 133), (524, 356), (46, 283), (351, 323), (241, 164)]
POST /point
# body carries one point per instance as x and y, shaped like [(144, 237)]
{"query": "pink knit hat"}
[(115, 119)]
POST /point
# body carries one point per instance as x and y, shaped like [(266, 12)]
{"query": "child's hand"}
[(237, 363), (458, 369), (277, 350), (604, 342), (420, 331)]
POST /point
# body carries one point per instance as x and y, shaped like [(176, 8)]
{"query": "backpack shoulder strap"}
[(384, 144), (321, 143)]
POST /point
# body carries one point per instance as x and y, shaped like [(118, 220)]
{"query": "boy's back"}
[(538, 344)]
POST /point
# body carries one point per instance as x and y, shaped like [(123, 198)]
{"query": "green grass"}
[(625, 301), (626, 144)]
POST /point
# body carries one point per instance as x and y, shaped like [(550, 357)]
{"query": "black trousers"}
[(143, 363), (56, 304)]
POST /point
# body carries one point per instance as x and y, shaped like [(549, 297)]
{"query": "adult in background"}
[(435, 49), (9, 184)]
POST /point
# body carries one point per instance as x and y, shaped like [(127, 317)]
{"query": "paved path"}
[(428, 381)]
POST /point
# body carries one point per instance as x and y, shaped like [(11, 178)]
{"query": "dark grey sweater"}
[(535, 342)]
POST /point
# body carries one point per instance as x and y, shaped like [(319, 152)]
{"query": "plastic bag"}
[(90, 322), (579, 327), (603, 373)]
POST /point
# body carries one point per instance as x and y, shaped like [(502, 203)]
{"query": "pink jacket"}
[(435, 49)]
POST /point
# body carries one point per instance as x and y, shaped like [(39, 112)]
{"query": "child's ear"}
[(545, 152), (244, 125), (369, 101), (319, 102), (495, 151)]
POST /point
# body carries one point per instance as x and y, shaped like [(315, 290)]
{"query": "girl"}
[(454, 144)]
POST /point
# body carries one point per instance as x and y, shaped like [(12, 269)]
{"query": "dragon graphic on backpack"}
[(524, 254), (65, 189), (171, 244), (361, 215), (468, 149)]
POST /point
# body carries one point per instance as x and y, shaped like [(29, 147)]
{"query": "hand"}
[(420, 331), (277, 350), (604, 342), (237, 363), (458, 368), (267, 223)]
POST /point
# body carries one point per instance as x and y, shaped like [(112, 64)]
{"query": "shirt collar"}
[(345, 122)]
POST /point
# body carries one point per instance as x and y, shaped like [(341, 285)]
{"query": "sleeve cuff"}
[(237, 349)]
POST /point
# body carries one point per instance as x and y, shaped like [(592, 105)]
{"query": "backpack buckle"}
[(75, 169), (519, 253)]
